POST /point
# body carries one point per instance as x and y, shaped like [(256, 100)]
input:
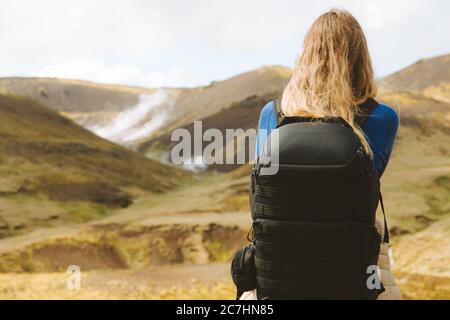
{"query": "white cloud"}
[(193, 42)]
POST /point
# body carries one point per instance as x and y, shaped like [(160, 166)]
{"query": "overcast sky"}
[(193, 42)]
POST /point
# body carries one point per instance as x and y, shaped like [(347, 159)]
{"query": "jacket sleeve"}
[(266, 123), (381, 131), (392, 122)]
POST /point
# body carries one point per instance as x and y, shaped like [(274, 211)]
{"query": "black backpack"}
[(314, 221)]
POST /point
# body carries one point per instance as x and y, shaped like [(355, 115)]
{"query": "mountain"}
[(421, 75), (239, 115), (83, 101), (199, 103), (417, 109), (422, 109), (73, 95), (421, 93), (97, 105), (428, 76), (49, 162), (143, 119)]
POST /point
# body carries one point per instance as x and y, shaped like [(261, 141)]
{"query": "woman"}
[(332, 77)]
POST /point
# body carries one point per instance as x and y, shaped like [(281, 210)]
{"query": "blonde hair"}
[(334, 73)]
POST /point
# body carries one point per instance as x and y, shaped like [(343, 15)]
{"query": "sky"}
[(185, 43)]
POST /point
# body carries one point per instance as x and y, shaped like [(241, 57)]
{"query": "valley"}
[(142, 229)]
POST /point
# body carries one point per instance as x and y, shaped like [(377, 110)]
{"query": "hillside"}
[(73, 95), (96, 105), (423, 113), (428, 76), (240, 115), (205, 101), (48, 161), (421, 75)]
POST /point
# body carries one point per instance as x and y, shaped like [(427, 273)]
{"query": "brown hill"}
[(73, 95), (91, 104), (202, 102), (47, 160), (428, 76), (422, 113), (240, 115), (421, 75)]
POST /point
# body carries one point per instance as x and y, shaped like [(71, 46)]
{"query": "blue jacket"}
[(380, 130)]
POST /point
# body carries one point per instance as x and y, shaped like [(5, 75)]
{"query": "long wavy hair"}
[(334, 73)]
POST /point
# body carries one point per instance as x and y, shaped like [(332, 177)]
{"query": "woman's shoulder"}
[(266, 117), (268, 108), (384, 114)]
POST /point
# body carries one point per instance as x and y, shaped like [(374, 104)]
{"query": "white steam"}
[(195, 165), (139, 121)]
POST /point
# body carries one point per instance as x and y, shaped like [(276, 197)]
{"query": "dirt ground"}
[(208, 281)]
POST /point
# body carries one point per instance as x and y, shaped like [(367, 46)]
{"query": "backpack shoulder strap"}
[(386, 228), (365, 110), (277, 110)]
